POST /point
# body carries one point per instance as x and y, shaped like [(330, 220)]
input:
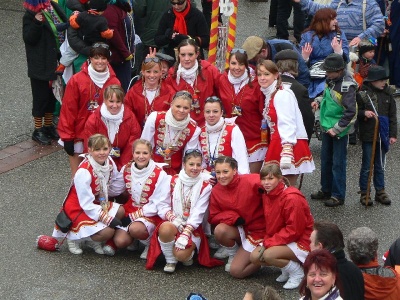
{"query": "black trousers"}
[(43, 98), (283, 13)]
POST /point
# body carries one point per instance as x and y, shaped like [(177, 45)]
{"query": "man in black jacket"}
[(328, 236)]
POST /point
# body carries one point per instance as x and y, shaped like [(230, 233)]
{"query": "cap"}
[(333, 62), (286, 54), (252, 45), (165, 57), (99, 5)]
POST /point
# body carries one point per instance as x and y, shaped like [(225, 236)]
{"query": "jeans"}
[(379, 175), (333, 165)]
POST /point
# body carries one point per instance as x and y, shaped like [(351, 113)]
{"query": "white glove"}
[(286, 162), (179, 223), (182, 241)]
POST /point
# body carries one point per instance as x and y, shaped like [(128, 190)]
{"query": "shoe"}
[(109, 250), (363, 198), (396, 92), (212, 242), (293, 282), (41, 137), (188, 263), (228, 264), (74, 247), (382, 197), (333, 202), (51, 132), (169, 268), (144, 253), (96, 246), (283, 277), (221, 253), (320, 195), (134, 246)]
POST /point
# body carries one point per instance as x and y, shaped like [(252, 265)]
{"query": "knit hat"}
[(98, 5), (365, 48), (286, 54), (252, 45), (376, 73), (333, 62)]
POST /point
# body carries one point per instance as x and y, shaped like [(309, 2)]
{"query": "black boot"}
[(51, 132), (41, 137)]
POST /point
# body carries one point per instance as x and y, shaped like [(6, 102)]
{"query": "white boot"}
[(231, 251), (74, 246), (189, 261), (221, 253), (96, 246), (167, 249), (283, 277), (296, 274), (146, 248)]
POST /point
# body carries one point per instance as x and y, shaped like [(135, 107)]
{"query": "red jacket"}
[(129, 131), (240, 198), (251, 101), (74, 109), (287, 218), (140, 106), (205, 88)]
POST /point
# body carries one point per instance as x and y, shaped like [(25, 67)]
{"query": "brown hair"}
[(228, 160), (142, 142), (274, 170), (97, 141), (288, 65), (243, 60), (321, 21), (100, 49), (114, 89), (189, 42), (272, 68)]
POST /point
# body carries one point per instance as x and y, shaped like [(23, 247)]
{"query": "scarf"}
[(103, 173), (267, 93), (217, 127), (189, 75), (98, 78), (238, 82), (172, 122), (112, 122), (194, 184), (143, 173), (180, 23)]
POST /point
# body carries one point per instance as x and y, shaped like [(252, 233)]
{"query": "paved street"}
[(31, 196)]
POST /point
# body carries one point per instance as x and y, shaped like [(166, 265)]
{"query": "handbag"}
[(63, 222), (316, 72)]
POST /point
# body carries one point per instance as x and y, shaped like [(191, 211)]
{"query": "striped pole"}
[(231, 31), (212, 51)]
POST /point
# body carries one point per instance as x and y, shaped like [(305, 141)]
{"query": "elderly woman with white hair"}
[(380, 282)]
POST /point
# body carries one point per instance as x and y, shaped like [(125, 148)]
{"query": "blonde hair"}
[(98, 141), (114, 89), (142, 142), (275, 171)]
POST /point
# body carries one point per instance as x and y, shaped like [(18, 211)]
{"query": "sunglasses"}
[(177, 3), (183, 93), (236, 50), (100, 45), (151, 59), (190, 151), (213, 99)]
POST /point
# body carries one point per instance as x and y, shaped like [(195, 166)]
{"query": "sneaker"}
[(188, 263), (74, 247), (169, 268), (333, 202), (320, 195), (212, 242), (221, 253), (109, 250), (144, 253), (96, 246), (293, 282), (283, 277), (363, 199), (382, 197), (228, 264)]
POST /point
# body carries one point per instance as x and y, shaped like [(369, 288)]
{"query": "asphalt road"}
[(32, 194)]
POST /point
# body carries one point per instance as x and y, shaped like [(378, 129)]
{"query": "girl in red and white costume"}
[(220, 138), (173, 132), (147, 184), (119, 124), (83, 94), (236, 211), (193, 75), (289, 224), (150, 93), (181, 234), (241, 97), (93, 217), (288, 145)]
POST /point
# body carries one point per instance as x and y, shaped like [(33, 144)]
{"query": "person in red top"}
[(241, 96), (289, 224), (117, 123), (83, 94), (149, 94), (192, 74), (236, 211)]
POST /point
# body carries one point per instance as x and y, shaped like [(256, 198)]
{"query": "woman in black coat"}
[(42, 43)]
